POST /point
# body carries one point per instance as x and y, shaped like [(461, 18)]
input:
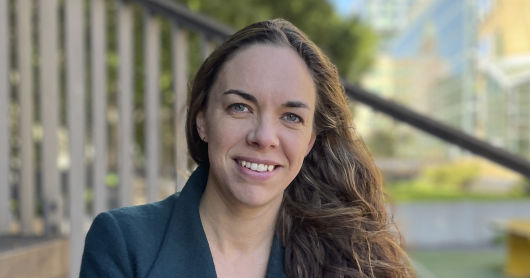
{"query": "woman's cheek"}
[(294, 142), (229, 131)]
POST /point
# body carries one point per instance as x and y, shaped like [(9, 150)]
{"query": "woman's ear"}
[(201, 125), (311, 142)]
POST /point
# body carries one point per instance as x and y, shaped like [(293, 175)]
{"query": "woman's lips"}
[(259, 167), (256, 160), (256, 175)]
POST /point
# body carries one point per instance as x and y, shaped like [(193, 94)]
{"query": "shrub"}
[(456, 176)]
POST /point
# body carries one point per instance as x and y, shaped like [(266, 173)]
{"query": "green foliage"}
[(419, 190), (13, 204), (523, 186), (381, 143), (456, 176), (348, 42), (445, 182), (499, 239), (88, 196), (112, 179)]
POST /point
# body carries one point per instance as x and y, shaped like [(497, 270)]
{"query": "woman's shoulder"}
[(126, 240), (143, 224), (142, 215)]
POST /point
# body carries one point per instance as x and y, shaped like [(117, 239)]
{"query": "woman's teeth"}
[(256, 166)]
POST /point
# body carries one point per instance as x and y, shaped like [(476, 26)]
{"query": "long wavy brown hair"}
[(332, 221)]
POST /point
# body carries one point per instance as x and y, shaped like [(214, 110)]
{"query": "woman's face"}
[(260, 114)]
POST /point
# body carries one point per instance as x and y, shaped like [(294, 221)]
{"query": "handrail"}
[(440, 130), (188, 18)]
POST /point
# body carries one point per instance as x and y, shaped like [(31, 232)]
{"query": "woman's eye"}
[(238, 107), (293, 118)]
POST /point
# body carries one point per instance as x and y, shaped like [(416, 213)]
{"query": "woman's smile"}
[(255, 169), (256, 164)]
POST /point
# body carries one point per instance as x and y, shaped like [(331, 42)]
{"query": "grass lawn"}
[(479, 263), (418, 190)]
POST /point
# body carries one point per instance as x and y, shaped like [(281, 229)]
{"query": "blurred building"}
[(442, 32), (386, 17), (466, 63), (380, 80), (433, 71), (503, 77)]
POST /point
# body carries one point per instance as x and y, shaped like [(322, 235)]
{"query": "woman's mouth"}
[(258, 167)]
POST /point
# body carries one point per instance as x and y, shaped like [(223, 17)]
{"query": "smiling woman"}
[(260, 113), (284, 187)]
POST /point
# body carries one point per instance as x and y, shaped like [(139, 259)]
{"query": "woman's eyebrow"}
[(250, 97), (242, 94), (295, 104)]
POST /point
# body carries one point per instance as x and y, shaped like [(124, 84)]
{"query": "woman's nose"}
[(264, 134)]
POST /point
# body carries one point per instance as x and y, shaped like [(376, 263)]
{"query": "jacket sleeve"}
[(106, 253)]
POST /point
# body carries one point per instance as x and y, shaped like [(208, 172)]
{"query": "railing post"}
[(75, 90), (99, 100), (49, 87), (125, 92), (25, 92), (5, 194), (152, 102), (180, 81), (207, 47)]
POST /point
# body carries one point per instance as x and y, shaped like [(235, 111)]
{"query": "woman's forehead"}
[(276, 71)]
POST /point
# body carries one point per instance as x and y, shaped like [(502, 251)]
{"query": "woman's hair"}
[(332, 220)]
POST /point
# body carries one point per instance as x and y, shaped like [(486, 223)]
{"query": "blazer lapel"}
[(275, 268), (185, 251)]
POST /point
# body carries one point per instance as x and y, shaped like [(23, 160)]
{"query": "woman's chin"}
[(256, 197)]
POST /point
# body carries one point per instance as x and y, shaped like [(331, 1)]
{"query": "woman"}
[(284, 187)]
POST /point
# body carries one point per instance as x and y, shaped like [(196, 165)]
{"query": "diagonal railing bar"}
[(440, 130), (187, 18)]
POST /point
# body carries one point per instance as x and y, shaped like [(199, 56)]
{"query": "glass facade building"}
[(465, 63), (386, 16), (446, 26)]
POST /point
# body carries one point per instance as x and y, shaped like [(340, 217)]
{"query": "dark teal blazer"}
[(163, 239)]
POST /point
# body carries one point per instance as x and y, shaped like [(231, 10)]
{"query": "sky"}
[(345, 7)]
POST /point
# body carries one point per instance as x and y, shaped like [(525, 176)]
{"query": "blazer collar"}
[(185, 251)]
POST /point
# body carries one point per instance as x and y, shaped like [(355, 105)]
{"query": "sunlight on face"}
[(260, 114)]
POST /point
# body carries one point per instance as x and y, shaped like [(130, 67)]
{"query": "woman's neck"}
[(234, 229)]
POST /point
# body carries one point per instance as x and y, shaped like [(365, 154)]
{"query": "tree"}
[(349, 42)]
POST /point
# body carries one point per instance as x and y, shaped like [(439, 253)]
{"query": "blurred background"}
[(92, 103)]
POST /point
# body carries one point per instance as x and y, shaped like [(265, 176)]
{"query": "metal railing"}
[(51, 83), (440, 130)]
